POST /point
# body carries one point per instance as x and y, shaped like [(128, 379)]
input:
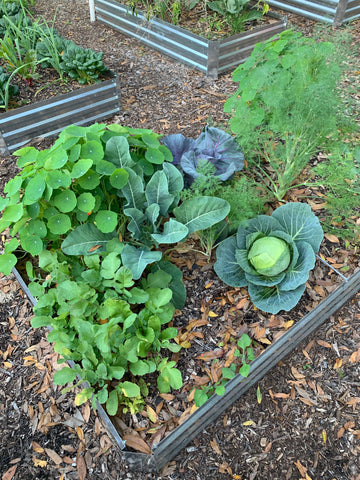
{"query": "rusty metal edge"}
[(169, 447)]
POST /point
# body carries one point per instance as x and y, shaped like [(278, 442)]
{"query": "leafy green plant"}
[(213, 146), (272, 256), (7, 90), (245, 353), (93, 209), (339, 175), (286, 107), (85, 65), (238, 12), (113, 329)]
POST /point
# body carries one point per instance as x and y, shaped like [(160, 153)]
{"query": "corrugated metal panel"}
[(186, 47), (236, 50), (353, 10), (330, 11), (324, 12), (49, 117), (169, 39)]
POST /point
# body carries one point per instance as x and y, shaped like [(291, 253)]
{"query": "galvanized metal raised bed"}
[(335, 12), (48, 117), (171, 445), (211, 57)]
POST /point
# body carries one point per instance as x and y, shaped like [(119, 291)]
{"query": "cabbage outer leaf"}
[(273, 299), (262, 223), (226, 266), (298, 220), (299, 272)]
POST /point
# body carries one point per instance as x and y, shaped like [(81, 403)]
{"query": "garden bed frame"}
[(49, 117), (173, 443), (212, 57), (335, 12)]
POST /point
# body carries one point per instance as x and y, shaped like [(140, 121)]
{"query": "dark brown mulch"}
[(307, 424)]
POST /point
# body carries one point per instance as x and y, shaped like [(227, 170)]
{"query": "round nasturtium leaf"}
[(33, 210), (13, 185), (86, 202), (34, 190), (7, 262), (104, 167), (59, 224), (65, 201), (13, 213), (57, 179), (81, 167), (90, 180), (56, 160), (269, 256), (154, 155), (37, 227), (106, 221), (93, 150), (119, 178), (32, 244)]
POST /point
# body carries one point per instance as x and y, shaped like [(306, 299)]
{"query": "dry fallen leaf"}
[(8, 475), (54, 456), (215, 446), (137, 443), (81, 467)]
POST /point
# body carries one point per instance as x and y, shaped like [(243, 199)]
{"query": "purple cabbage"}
[(213, 145)]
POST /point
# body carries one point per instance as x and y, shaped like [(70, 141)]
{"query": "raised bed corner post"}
[(340, 13), (213, 59), (92, 10)]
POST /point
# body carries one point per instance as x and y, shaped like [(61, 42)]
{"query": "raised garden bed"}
[(48, 117), (335, 12), (212, 57), (176, 440)]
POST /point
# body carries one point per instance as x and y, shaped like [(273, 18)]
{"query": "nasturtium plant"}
[(272, 256), (93, 210)]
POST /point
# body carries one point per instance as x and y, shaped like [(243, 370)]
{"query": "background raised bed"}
[(48, 117), (212, 57)]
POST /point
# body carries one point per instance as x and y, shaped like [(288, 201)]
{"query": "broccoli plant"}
[(272, 256)]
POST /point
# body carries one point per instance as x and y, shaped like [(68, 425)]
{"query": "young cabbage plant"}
[(213, 146), (272, 256)]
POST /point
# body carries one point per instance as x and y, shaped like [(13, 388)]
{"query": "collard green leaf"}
[(137, 219), (117, 152), (201, 212), (298, 220), (152, 213), (134, 191), (176, 284), (137, 259), (86, 239), (173, 232), (157, 191), (226, 265), (109, 265), (174, 178)]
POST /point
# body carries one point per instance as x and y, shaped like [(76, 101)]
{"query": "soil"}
[(301, 421)]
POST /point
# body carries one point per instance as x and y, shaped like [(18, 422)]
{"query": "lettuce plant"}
[(272, 256), (213, 146)]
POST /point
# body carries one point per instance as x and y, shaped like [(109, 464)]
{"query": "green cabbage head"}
[(272, 256)]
